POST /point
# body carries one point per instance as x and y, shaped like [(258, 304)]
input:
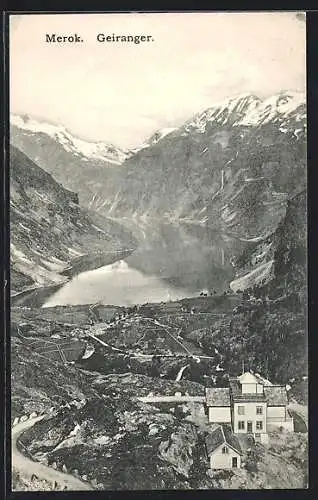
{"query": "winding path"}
[(28, 467)]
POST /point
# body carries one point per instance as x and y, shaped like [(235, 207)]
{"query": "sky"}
[(121, 93)]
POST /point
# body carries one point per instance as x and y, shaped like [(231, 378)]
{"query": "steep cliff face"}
[(290, 244), (279, 261), (48, 228)]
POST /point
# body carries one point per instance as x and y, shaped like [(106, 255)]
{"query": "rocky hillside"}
[(48, 228), (93, 427), (95, 430), (79, 165), (234, 165)]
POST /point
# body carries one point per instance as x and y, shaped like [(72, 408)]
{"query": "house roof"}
[(276, 395), (217, 396), (231, 439), (222, 435), (214, 440)]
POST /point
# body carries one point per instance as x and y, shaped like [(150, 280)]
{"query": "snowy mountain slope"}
[(250, 110), (80, 166), (78, 147), (227, 112), (234, 165)]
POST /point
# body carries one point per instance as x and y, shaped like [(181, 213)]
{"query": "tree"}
[(245, 295)]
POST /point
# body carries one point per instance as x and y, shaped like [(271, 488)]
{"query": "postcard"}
[(158, 251)]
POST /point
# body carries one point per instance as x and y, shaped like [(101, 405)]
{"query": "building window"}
[(241, 410), (225, 449), (241, 425), (259, 425), (259, 410)]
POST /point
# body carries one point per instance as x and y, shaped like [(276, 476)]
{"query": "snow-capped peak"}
[(88, 150), (276, 108), (228, 111), (249, 110), (160, 134)]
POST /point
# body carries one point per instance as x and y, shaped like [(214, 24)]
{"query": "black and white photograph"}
[(158, 251)]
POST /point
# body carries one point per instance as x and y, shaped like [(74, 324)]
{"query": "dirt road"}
[(28, 467)]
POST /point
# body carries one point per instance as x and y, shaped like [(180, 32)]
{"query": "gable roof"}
[(217, 396), (222, 435), (214, 440), (231, 439), (276, 395), (247, 378)]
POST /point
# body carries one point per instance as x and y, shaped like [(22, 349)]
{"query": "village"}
[(239, 416)]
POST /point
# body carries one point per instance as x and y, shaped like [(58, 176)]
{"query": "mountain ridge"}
[(249, 109), (217, 169), (97, 150), (48, 227), (246, 104)]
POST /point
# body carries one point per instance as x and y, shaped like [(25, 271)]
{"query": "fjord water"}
[(172, 261)]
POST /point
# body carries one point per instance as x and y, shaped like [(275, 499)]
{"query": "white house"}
[(218, 402), (223, 448), (250, 406)]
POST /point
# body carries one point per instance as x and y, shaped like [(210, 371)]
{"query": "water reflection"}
[(116, 284), (172, 262)]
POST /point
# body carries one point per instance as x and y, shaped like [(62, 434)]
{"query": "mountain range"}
[(232, 167), (81, 166), (211, 168)]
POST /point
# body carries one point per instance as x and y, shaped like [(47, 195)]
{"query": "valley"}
[(157, 272)]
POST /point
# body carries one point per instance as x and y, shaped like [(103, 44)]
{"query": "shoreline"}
[(77, 267)]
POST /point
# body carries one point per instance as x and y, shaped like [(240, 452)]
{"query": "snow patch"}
[(75, 431), (252, 278), (274, 108), (74, 253)]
